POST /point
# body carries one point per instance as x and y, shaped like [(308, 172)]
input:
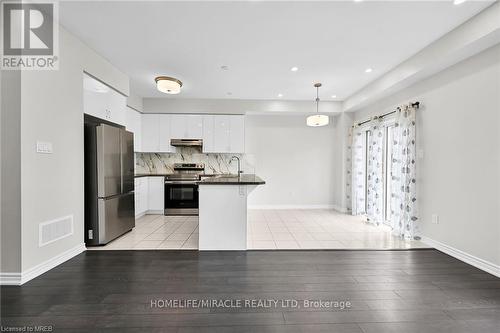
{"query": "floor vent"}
[(55, 230)]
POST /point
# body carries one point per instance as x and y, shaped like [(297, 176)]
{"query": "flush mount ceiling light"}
[(368, 70), (317, 119), (294, 69), (458, 2), (168, 85)]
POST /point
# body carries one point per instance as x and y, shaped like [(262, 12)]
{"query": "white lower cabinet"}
[(156, 189), (141, 194), (149, 194)]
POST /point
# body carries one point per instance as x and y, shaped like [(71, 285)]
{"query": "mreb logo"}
[(29, 38)]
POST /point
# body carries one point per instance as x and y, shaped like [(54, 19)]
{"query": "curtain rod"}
[(415, 105)]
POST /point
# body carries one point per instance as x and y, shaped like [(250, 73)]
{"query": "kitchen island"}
[(223, 211)]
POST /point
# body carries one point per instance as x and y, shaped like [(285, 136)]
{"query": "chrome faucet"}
[(239, 164)]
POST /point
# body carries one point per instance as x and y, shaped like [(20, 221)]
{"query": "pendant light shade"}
[(317, 119), (168, 85)]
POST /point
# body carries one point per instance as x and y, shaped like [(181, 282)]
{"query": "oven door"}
[(181, 198)]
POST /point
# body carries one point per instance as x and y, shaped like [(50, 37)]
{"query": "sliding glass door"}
[(387, 167)]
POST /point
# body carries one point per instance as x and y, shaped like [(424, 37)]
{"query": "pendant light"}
[(317, 119), (168, 85)]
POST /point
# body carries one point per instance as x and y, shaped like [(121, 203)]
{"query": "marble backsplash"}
[(162, 163)]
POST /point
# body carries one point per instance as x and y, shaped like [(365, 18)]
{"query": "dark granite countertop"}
[(151, 175), (244, 179), (137, 175)]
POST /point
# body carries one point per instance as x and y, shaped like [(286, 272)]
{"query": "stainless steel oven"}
[(181, 189), (181, 198)]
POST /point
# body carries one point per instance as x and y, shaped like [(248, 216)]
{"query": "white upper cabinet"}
[(223, 134), (133, 123), (186, 126), (94, 104), (220, 133), (165, 134), (178, 128), (116, 107), (156, 133), (208, 134), (194, 126), (150, 133), (237, 134), (103, 102)]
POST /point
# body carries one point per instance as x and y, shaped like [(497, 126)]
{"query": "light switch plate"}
[(435, 218), (44, 147)]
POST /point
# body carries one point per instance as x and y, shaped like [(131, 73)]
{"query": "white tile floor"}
[(153, 232), (318, 229), (267, 229)]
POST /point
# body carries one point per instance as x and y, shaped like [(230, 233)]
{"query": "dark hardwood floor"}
[(389, 291)]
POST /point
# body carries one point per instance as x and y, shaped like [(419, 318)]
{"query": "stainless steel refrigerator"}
[(109, 182)]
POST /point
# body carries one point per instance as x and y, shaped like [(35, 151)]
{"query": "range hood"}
[(186, 142)]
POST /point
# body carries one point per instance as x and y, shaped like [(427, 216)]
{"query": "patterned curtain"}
[(375, 173), (358, 172), (404, 214), (348, 188)]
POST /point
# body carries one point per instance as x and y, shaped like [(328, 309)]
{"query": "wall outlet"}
[(44, 147), (435, 218)]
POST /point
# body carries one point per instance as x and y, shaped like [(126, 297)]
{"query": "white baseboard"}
[(10, 279), (29, 274), (138, 216), (341, 209), (482, 264), (291, 207), (154, 212)]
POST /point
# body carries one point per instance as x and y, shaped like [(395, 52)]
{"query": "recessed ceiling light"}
[(280, 95), (168, 85), (368, 70), (358, 0), (294, 69), (224, 67), (334, 96), (229, 93), (458, 2)]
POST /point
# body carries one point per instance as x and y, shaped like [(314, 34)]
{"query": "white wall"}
[(458, 129), (10, 211), (295, 160), (341, 126), (52, 110), (236, 106)]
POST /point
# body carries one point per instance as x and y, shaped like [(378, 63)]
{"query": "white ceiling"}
[(330, 42)]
